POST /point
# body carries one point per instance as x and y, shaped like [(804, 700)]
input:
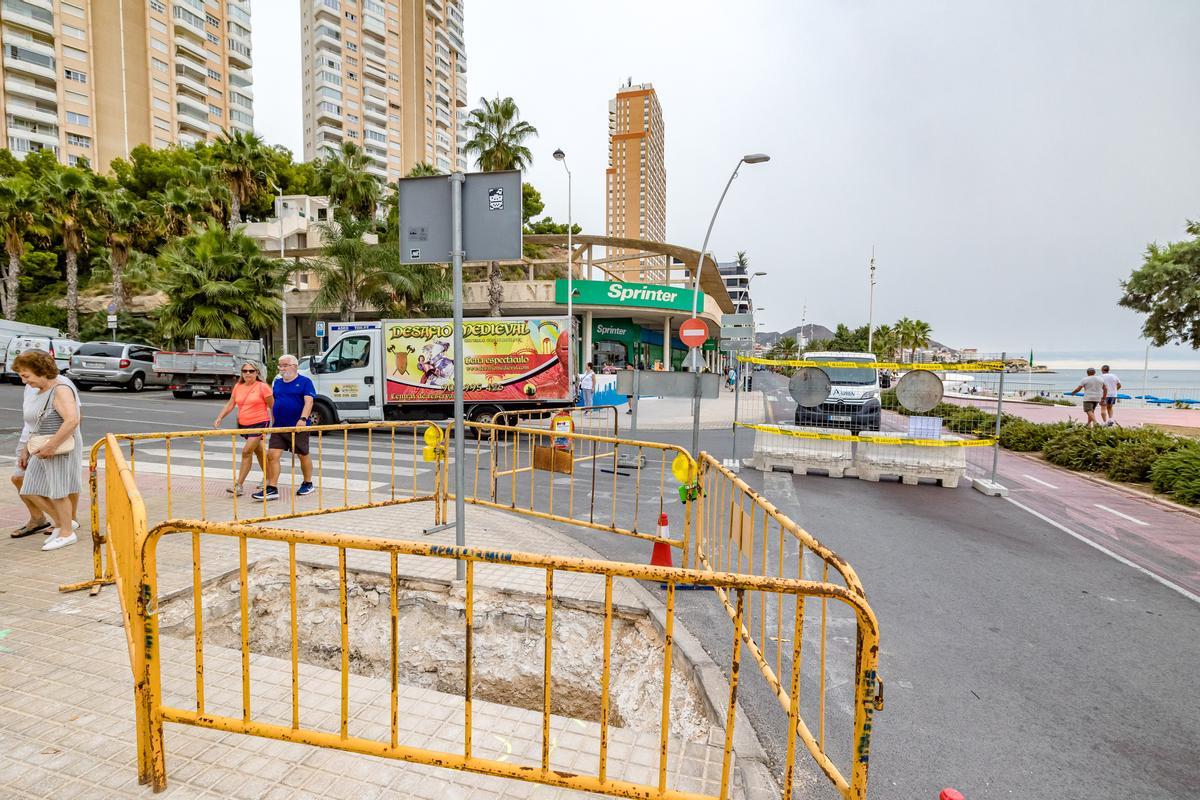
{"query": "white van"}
[(8, 331), (853, 400), (61, 349)]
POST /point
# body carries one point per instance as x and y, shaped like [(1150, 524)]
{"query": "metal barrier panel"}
[(736, 591), (591, 420), (740, 532), (193, 474), (602, 482)]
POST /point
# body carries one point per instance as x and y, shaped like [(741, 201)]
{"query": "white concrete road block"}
[(800, 456), (884, 454)]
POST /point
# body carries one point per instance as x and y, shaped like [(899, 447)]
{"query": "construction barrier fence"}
[(766, 572)]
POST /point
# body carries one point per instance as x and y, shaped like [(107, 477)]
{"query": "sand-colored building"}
[(636, 180)]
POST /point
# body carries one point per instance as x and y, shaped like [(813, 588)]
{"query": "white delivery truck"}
[(404, 369), (853, 401)]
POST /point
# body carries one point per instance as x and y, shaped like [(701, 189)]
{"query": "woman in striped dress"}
[(51, 479)]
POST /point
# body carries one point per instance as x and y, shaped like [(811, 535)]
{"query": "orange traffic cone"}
[(661, 555)]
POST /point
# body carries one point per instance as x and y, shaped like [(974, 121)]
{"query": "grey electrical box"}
[(491, 218)]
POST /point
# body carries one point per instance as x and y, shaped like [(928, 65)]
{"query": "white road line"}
[(1119, 514), (142, 409), (1039, 480), (1173, 586)]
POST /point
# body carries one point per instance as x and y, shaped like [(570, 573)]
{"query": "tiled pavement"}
[(66, 704)]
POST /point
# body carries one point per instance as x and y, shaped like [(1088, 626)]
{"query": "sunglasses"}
[(248, 370)]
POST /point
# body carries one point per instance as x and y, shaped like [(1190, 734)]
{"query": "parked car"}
[(61, 349), (124, 364)]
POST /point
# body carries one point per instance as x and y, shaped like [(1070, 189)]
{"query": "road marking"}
[(1039, 480), (142, 409), (86, 417), (1119, 514), (1173, 586)]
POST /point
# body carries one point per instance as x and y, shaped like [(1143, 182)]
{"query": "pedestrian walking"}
[(587, 385), (1094, 393), (31, 403), (294, 395), (54, 447), (253, 400), (1112, 383), (629, 368)]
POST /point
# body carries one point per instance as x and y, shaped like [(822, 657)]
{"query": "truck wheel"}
[(182, 394), (136, 383), (481, 414), (323, 414)]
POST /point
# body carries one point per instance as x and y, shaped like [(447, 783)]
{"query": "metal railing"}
[(627, 484), (189, 465)]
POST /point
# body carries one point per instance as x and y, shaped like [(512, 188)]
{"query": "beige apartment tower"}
[(389, 76), (636, 180), (95, 78)]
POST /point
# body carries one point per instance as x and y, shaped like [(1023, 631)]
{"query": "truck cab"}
[(348, 378), (853, 401)]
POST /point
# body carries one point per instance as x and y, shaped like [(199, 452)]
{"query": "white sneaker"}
[(74, 527), (55, 541)]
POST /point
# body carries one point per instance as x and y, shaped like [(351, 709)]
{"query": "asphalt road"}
[(1018, 661)]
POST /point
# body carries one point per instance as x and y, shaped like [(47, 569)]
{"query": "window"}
[(212, 73), (351, 76), (241, 116), (79, 140), (71, 8), (73, 52), (161, 124), (161, 66), (158, 25), (76, 97), (375, 136), (73, 160), (71, 30), (215, 111), (158, 45), (216, 23), (75, 118), (353, 352), (157, 5), (212, 37), (160, 104), (351, 17), (333, 108), (352, 134), (350, 117), (215, 93), (352, 47)]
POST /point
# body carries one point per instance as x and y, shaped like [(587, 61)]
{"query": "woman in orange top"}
[(254, 401)]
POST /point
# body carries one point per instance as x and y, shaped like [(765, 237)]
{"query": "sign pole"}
[(457, 180), (737, 388)]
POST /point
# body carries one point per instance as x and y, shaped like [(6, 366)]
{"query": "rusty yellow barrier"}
[(220, 466), (611, 495), (738, 531), (593, 420)]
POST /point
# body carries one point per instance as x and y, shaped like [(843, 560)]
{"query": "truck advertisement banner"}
[(504, 359)]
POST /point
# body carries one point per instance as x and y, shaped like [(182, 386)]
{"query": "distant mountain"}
[(810, 332)]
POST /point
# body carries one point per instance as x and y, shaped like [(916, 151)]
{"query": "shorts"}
[(283, 441), (264, 424), (1110, 401), (1088, 405)]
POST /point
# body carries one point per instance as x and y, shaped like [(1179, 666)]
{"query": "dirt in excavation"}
[(509, 643)]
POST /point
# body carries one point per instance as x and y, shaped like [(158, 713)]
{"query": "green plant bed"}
[(1173, 471), (1047, 401), (1023, 436)]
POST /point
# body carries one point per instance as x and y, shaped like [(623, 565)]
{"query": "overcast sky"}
[(1008, 160)]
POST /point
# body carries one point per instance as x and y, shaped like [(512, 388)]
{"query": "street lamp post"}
[(871, 304), (283, 294), (559, 155), (750, 158)]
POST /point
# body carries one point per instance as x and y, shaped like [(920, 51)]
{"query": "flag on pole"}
[(1031, 358)]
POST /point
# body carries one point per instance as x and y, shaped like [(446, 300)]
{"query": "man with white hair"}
[(294, 396)]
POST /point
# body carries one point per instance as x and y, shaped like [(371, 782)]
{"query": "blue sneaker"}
[(306, 488), (269, 493)]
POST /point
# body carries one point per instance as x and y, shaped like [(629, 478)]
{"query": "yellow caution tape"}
[(969, 366), (845, 437)]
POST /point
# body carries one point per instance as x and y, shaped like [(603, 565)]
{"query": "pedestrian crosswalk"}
[(353, 465)]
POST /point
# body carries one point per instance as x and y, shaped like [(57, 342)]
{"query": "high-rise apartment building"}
[(388, 75), (95, 78), (636, 179)]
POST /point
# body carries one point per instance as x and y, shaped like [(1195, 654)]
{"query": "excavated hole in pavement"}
[(509, 642)]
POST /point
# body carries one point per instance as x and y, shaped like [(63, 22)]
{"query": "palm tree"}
[(884, 341), (68, 210), (122, 223), (423, 169), (245, 165), (497, 141), (177, 206), (351, 188), (19, 211), (919, 336), (354, 274), (904, 334), (218, 284)]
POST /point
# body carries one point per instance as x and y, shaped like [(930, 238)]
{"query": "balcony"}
[(328, 8), (190, 106), (20, 147), (327, 112), (26, 15), (433, 10), (239, 54), (27, 62), (189, 124), (443, 118), (22, 88), (31, 112), (377, 169), (193, 80), (374, 25), (240, 79), (188, 48), (187, 22), (375, 116), (442, 68)]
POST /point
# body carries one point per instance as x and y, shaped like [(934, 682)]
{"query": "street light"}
[(751, 158), (559, 155), (871, 304)]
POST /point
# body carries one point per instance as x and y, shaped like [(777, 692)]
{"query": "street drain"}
[(508, 642)]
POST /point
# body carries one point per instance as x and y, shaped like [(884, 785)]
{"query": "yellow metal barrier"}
[(617, 475), (740, 532), (389, 445), (600, 781), (593, 420)]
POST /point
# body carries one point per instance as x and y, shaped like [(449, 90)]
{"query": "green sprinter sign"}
[(621, 293)]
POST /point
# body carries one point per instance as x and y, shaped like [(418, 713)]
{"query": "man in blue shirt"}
[(294, 395)]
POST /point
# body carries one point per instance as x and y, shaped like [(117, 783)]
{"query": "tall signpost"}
[(693, 333), (737, 335), (472, 217)]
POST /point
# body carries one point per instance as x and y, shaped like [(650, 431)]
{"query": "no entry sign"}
[(693, 332)]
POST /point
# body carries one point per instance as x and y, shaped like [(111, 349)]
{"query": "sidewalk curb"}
[(1129, 491), (752, 772)]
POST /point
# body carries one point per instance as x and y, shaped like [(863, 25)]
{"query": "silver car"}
[(124, 364)]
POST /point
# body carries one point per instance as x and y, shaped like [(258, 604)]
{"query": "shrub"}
[(1076, 448), (1131, 461), (1187, 492), (1023, 436), (1048, 401), (1176, 469)]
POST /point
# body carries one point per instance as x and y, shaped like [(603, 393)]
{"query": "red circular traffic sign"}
[(693, 332)]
